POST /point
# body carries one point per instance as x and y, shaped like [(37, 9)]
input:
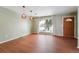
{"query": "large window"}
[(45, 25)]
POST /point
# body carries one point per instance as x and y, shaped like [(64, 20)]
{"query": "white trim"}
[(77, 43), (13, 38)]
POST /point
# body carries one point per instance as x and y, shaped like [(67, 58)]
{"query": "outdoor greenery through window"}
[(45, 25)]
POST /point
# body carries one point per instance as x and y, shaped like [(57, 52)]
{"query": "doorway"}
[(69, 26)]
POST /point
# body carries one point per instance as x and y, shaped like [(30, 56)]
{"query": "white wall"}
[(11, 26), (78, 28), (58, 25)]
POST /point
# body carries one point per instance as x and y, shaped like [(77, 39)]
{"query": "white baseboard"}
[(77, 46), (12, 38), (77, 42)]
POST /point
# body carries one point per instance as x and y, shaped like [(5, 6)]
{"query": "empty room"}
[(39, 29)]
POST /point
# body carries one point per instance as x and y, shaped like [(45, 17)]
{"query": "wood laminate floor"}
[(37, 43)]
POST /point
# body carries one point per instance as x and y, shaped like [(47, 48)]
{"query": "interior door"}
[(69, 26)]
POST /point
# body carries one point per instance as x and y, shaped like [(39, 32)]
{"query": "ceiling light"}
[(23, 15)]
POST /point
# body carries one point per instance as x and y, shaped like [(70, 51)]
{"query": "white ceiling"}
[(43, 10)]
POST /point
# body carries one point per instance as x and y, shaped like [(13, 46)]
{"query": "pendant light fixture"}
[(23, 15)]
